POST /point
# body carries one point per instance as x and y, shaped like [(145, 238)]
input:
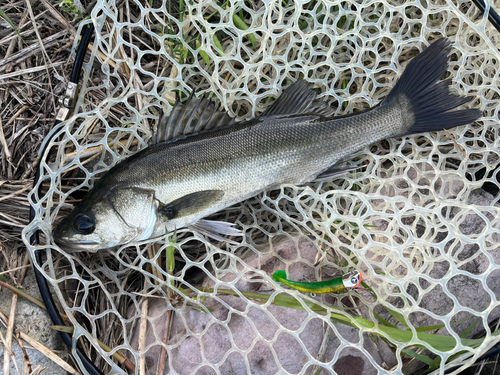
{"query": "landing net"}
[(421, 220)]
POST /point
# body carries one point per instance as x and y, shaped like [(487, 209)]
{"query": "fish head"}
[(352, 279), (102, 221)]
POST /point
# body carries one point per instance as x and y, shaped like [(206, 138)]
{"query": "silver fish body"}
[(193, 171), (251, 157)]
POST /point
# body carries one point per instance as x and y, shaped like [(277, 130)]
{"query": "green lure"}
[(348, 281)]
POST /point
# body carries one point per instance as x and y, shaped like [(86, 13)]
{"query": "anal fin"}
[(335, 171)]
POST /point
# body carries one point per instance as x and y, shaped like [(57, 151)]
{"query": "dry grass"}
[(35, 66), (33, 73), (34, 70)]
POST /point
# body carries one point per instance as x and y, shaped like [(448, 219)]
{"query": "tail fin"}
[(429, 98)]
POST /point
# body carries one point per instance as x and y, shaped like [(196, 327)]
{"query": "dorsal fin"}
[(193, 116), (297, 99)]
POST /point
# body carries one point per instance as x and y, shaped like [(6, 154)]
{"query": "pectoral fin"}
[(215, 229), (191, 204)]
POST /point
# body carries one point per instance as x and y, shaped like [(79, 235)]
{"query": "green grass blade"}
[(290, 302), (240, 24), (170, 251), (383, 321), (203, 54), (469, 329), (218, 45), (6, 18), (437, 342), (400, 318), (433, 364), (429, 328)]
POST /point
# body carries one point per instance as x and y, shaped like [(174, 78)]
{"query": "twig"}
[(322, 349), (31, 70), (8, 339), (155, 271), (42, 47), (28, 297), (14, 269), (116, 355), (17, 114), (34, 49), (456, 144), (142, 337), (59, 17), (4, 142), (4, 342), (12, 195), (163, 356), (67, 45), (2, 339), (13, 42), (24, 268), (12, 224), (26, 357), (48, 353), (12, 38), (102, 56), (38, 370)]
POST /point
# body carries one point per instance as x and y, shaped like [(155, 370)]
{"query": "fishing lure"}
[(348, 281)]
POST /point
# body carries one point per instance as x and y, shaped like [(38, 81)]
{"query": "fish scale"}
[(176, 182)]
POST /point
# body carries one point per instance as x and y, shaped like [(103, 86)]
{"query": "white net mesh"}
[(422, 221)]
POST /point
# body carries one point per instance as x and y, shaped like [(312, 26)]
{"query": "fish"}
[(349, 280), (201, 160)]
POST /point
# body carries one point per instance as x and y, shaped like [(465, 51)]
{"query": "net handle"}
[(35, 237)]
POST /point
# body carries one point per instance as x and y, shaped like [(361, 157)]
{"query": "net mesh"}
[(421, 221)]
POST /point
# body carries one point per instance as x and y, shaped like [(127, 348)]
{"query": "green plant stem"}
[(214, 13), (26, 296)]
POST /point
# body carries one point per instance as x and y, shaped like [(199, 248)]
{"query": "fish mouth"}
[(88, 245)]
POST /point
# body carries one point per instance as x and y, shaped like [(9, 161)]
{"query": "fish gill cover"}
[(420, 219)]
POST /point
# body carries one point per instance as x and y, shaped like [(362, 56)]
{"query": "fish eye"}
[(84, 224)]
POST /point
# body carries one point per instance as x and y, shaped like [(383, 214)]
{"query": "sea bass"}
[(201, 161)]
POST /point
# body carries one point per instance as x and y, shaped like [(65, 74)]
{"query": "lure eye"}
[(84, 224), (352, 279)]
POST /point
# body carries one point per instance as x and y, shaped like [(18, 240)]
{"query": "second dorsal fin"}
[(193, 116), (297, 99)]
